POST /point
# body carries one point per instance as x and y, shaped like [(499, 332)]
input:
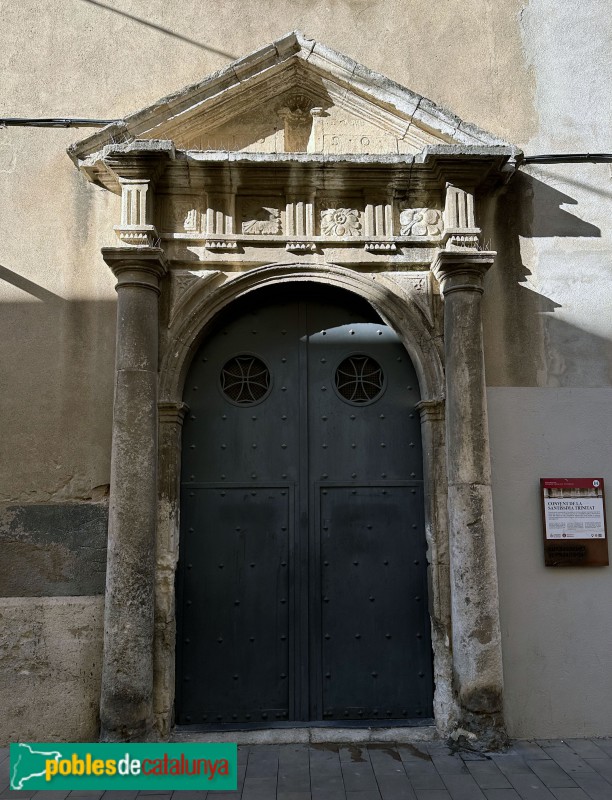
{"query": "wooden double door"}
[(302, 591)]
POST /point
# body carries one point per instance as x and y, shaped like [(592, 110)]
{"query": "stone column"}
[(126, 710), (477, 660)]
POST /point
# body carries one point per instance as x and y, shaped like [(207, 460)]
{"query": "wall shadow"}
[(526, 345), (547, 218), (165, 31)]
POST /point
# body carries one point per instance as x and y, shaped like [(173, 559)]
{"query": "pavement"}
[(545, 769)]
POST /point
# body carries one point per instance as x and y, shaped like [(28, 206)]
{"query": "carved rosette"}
[(420, 222), (340, 222)]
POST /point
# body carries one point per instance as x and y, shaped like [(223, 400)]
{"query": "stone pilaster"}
[(126, 711), (477, 659), (460, 228), (171, 417), (433, 437)]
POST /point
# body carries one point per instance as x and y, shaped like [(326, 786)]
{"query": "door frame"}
[(306, 488), (421, 335)]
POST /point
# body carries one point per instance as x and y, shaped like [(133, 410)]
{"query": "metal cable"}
[(56, 122)]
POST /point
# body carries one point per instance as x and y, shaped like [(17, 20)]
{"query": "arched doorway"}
[(302, 574)]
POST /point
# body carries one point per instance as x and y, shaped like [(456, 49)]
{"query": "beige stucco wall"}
[(532, 72), (556, 633)]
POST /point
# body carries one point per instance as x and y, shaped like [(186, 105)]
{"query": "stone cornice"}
[(292, 60), (476, 165)]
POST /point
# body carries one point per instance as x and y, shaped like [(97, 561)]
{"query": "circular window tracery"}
[(245, 379), (359, 379)]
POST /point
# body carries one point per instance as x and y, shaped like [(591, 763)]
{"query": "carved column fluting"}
[(477, 659), (220, 213), (460, 229), (126, 711), (378, 217), (300, 219)]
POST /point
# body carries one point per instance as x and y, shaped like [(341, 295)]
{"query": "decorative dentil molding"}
[(300, 247), (221, 244), (380, 247)]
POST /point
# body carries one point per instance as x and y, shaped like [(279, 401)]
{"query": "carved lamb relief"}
[(261, 217)]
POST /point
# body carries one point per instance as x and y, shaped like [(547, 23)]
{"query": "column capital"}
[(431, 410), (172, 412), (143, 267), (461, 272)]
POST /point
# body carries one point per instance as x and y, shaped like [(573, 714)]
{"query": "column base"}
[(126, 733), (479, 732)]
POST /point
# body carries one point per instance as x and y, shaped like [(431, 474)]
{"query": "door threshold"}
[(309, 733)]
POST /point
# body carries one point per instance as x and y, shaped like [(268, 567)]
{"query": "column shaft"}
[(127, 672), (477, 661)]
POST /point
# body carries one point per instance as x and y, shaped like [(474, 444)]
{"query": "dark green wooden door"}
[(302, 573)]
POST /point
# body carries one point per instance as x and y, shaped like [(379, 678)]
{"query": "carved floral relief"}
[(420, 222), (340, 222)]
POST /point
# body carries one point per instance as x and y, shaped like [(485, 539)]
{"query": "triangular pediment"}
[(294, 95)]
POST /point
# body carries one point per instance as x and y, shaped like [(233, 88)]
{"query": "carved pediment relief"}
[(294, 95), (296, 149), (325, 120)]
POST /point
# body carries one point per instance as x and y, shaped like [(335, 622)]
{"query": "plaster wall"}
[(50, 666), (549, 331), (556, 634), (536, 73)]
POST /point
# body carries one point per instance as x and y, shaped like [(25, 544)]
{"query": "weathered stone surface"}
[(126, 705), (50, 663), (536, 73), (221, 113), (54, 549), (477, 660)]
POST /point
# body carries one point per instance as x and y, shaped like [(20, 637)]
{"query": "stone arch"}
[(202, 302), (190, 322)]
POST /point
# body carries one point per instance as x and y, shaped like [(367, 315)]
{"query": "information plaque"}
[(574, 522)]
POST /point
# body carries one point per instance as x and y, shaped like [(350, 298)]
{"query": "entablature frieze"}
[(207, 206)]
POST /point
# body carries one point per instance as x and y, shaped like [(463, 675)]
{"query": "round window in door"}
[(245, 379), (359, 379)]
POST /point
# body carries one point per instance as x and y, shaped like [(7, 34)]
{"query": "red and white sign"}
[(574, 508)]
